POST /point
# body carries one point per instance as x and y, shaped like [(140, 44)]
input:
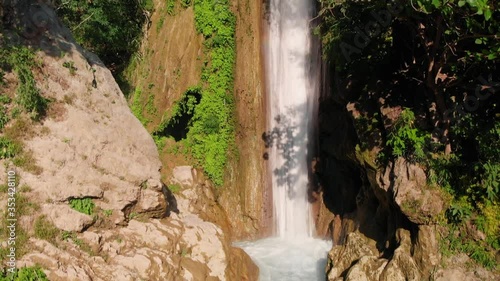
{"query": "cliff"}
[(94, 204)]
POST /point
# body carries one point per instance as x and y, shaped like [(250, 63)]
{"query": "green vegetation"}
[(83, 205), (22, 60), (25, 274), (437, 61), (111, 29), (137, 107), (9, 148), (204, 116), (175, 188), (211, 134), (404, 139), (108, 213)]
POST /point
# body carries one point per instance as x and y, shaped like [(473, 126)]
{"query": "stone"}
[(407, 183), (65, 218), (426, 249), (342, 257), (184, 175)]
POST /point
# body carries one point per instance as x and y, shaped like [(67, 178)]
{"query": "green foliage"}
[(150, 105), (109, 28), (25, 274), (456, 242), (85, 205), (211, 134), (4, 99), (404, 139), (108, 213), (459, 211)]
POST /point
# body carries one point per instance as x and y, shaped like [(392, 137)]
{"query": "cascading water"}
[(292, 72)]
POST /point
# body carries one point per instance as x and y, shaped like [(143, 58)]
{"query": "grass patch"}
[(175, 188), (84, 205), (46, 230)]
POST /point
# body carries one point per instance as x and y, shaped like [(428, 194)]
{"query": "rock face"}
[(93, 147), (245, 197)]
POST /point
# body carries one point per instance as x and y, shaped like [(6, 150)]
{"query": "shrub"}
[(84, 205)]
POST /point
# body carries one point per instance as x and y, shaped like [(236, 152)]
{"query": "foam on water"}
[(281, 259)]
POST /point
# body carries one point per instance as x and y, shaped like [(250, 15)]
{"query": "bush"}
[(85, 205)]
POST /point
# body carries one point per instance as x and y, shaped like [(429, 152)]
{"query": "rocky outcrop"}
[(385, 217), (91, 146)]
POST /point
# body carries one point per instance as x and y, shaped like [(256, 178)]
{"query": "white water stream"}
[(292, 76)]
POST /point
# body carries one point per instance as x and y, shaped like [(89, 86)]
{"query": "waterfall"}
[(292, 69), (292, 79)]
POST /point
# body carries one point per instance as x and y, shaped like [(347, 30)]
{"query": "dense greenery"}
[(109, 28), (211, 134), (207, 111), (436, 61)]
